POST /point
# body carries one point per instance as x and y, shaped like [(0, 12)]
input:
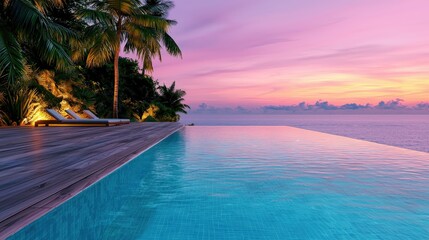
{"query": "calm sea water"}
[(407, 131), (252, 183)]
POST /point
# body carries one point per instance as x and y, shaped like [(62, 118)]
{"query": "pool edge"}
[(38, 210)]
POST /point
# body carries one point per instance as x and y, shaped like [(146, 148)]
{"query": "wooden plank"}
[(42, 167)]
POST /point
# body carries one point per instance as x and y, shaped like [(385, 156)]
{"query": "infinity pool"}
[(252, 183)]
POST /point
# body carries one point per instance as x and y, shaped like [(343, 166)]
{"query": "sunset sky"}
[(275, 52)]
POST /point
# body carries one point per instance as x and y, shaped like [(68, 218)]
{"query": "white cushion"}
[(55, 114), (73, 114)]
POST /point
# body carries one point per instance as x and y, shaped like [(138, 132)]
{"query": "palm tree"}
[(23, 23), (157, 8), (112, 22), (173, 98)]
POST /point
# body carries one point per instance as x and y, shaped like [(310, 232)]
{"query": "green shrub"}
[(18, 106)]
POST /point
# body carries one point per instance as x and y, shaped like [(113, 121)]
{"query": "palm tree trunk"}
[(116, 68)]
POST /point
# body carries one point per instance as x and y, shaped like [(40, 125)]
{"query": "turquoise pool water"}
[(252, 183)]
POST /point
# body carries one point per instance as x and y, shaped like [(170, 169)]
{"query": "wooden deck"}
[(42, 167)]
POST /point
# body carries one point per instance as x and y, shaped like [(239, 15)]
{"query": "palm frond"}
[(103, 45), (78, 48), (29, 19), (147, 62), (149, 21), (171, 46), (54, 54), (124, 7), (43, 5), (158, 7), (95, 16), (11, 58), (171, 22), (139, 32)]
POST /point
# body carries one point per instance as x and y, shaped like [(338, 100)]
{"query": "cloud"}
[(301, 107), (422, 106), (319, 107), (393, 104), (325, 106), (205, 108), (355, 106), (202, 107)]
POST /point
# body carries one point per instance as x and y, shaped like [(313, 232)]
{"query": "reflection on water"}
[(252, 183)]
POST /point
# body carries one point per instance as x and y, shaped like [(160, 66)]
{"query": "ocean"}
[(405, 131)]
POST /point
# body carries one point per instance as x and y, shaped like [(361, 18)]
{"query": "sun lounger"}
[(93, 116), (73, 114), (76, 116), (62, 121)]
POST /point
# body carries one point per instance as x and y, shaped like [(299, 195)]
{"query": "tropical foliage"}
[(128, 22), (26, 29), (18, 106), (172, 98), (65, 54), (141, 96)]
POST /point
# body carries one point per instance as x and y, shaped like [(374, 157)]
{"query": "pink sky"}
[(274, 52)]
